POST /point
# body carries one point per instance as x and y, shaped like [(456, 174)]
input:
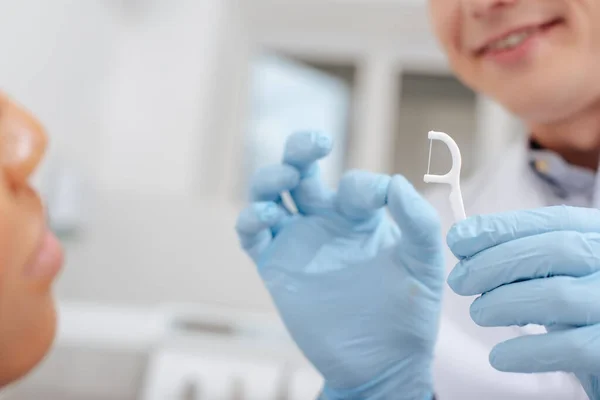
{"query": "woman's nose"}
[(23, 141)]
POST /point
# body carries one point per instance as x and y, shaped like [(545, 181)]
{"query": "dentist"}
[(508, 305)]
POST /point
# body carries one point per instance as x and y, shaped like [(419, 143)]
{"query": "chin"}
[(542, 104), (26, 354), (548, 92), (536, 110)]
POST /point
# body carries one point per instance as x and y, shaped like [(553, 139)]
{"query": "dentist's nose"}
[(487, 8)]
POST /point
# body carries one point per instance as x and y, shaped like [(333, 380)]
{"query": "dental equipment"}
[(451, 178)]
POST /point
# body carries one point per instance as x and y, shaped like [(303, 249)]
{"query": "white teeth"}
[(510, 41)]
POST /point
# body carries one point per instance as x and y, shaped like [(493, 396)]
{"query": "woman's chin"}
[(31, 349)]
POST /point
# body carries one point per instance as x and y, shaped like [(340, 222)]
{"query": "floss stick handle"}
[(452, 178)]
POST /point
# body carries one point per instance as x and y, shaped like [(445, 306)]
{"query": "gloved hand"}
[(535, 267), (361, 302)]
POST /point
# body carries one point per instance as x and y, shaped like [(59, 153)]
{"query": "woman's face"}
[(30, 257), (539, 58)]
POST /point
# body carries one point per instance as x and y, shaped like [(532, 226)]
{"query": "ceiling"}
[(344, 29)]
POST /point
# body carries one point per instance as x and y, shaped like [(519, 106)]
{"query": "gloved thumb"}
[(420, 247)]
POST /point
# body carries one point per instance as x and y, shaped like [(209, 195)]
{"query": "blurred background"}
[(158, 112)]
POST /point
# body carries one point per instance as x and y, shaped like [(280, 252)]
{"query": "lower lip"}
[(48, 261), (515, 55)]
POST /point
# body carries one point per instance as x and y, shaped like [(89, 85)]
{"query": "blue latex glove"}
[(361, 303), (535, 267)]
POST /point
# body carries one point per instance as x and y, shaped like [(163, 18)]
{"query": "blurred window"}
[(290, 96)]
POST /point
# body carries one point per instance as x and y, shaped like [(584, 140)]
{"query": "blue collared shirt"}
[(575, 186)]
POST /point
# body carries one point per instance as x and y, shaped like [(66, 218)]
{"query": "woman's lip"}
[(48, 259)]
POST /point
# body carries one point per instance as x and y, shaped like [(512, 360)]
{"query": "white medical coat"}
[(461, 368)]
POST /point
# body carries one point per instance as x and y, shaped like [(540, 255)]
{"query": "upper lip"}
[(40, 223), (481, 47)]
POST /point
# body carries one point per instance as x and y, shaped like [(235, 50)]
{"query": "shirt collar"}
[(565, 179)]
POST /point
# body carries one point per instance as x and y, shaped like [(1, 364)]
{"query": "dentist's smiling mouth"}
[(513, 40)]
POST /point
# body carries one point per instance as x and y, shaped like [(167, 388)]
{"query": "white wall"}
[(54, 59), (153, 236), (160, 85)]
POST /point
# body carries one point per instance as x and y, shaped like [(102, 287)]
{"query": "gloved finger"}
[(420, 227), (550, 302), (478, 233), (302, 151), (558, 327), (572, 350), (361, 194), (254, 226), (550, 254), (269, 182)]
